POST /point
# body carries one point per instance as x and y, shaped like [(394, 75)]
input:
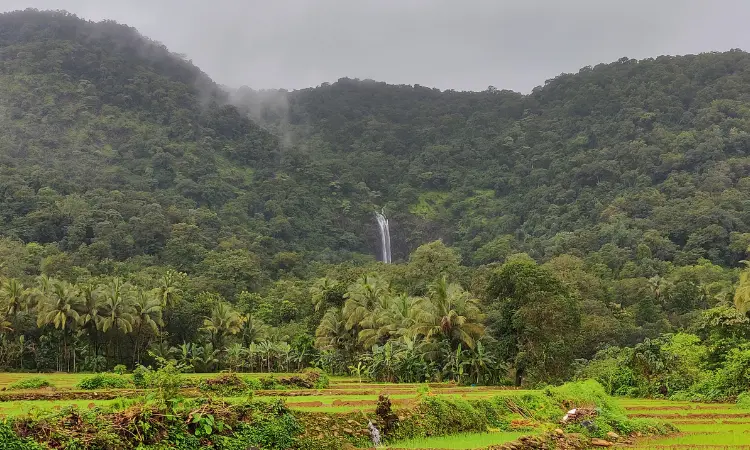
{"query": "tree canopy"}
[(147, 212)]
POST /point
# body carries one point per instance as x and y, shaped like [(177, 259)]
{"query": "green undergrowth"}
[(185, 424), (743, 400), (30, 383), (541, 410)]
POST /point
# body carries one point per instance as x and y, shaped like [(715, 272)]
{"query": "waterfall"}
[(385, 237)]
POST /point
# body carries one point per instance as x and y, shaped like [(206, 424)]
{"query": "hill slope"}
[(647, 152), (122, 165), (113, 148)]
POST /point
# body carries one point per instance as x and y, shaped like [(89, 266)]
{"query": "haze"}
[(462, 45)]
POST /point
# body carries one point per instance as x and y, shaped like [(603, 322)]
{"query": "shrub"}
[(743, 400), (166, 380), (120, 369), (319, 378), (9, 440), (273, 427), (139, 377), (103, 381), (31, 383), (253, 384)]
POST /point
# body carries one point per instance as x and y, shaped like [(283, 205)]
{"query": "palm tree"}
[(481, 363), (224, 321), (205, 358), (285, 350), (59, 307), (117, 307), (450, 313), (742, 294), (252, 330), (43, 287), (362, 299), (16, 297), (376, 327), (267, 348), (59, 310), (236, 354), (169, 288), (89, 313), (402, 315), (659, 286), (252, 352), (147, 312), (5, 326), (324, 293), (332, 332)]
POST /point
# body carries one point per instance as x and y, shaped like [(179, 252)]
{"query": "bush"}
[(743, 400), (31, 383), (9, 440), (166, 380), (274, 427), (139, 377), (104, 381), (120, 369), (319, 378)]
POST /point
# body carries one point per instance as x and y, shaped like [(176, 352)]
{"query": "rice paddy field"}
[(702, 426), (711, 426)]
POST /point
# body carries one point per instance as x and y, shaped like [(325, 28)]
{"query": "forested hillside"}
[(532, 233)]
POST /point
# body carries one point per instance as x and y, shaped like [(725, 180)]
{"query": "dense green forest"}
[(596, 224)]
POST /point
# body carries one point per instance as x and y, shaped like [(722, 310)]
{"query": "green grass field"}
[(459, 441), (69, 380)]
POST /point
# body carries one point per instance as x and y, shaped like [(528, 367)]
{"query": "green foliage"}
[(743, 400), (139, 377), (535, 319), (151, 217), (436, 416), (166, 381), (120, 369), (273, 427), (317, 376), (206, 424), (31, 383), (104, 381), (9, 440)]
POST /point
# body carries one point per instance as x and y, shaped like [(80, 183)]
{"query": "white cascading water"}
[(385, 237)]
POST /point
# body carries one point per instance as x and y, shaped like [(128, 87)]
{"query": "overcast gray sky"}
[(450, 44)]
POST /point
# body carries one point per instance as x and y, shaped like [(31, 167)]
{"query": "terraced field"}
[(702, 426), (342, 395)]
